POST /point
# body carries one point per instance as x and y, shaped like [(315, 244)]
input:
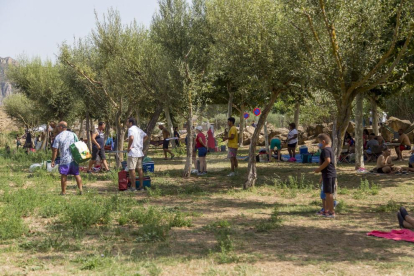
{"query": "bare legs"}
[(168, 151), (292, 152), (234, 163), (203, 164), (329, 203), (63, 183), (132, 178), (409, 222)]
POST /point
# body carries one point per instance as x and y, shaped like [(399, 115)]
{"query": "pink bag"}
[(292, 159)]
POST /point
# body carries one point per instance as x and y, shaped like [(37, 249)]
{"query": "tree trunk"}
[(266, 134), (80, 128), (251, 170), (374, 116), (88, 132), (359, 142), (342, 121), (242, 123), (138, 117), (230, 105), (297, 112), (190, 145), (44, 141), (151, 126), (169, 123)]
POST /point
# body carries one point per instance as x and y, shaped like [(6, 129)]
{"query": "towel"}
[(396, 235)]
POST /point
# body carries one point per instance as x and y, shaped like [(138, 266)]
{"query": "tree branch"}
[(335, 46), (385, 57), (91, 81)]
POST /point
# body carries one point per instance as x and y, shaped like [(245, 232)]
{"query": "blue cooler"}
[(147, 181), (148, 166), (303, 150), (306, 158)]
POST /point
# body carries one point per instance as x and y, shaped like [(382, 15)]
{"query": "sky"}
[(36, 27)]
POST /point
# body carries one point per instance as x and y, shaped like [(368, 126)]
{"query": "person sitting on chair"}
[(372, 142), (405, 144)]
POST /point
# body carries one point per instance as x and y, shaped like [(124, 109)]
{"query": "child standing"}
[(327, 168)]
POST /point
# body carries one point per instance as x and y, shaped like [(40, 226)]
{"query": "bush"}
[(80, 214), (391, 206), (11, 224)]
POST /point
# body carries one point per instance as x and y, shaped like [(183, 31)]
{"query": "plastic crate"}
[(148, 166)]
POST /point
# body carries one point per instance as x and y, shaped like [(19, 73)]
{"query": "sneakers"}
[(329, 215), (203, 173), (132, 190), (194, 171), (321, 212), (231, 174)]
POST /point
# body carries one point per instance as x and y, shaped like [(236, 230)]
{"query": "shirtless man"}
[(165, 144), (384, 163), (405, 144)]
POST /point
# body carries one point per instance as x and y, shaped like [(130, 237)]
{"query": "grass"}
[(199, 226)]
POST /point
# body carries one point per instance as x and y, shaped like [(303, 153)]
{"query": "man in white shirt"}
[(136, 139)]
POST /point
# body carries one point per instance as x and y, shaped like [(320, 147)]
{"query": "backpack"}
[(80, 151)]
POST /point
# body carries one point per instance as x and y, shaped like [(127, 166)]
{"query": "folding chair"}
[(344, 154), (376, 152)]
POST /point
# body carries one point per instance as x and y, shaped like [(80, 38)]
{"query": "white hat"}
[(200, 128)]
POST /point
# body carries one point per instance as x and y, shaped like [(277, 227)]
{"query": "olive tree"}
[(254, 39)]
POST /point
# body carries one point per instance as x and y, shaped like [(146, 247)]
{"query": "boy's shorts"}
[(232, 153), (69, 169), (329, 185)]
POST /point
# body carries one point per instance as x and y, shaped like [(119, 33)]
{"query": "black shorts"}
[(292, 145), (329, 185), (379, 170), (165, 144), (98, 152)]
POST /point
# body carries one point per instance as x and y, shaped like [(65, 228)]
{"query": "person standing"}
[(28, 145), (177, 135), (18, 143), (211, 141), (98, 147), (67, 166), (201, 146), (292, 140), (165, 144), (405, 144), (327, 168), (233, 145), (136, 139)]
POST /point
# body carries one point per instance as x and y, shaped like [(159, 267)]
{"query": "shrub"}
[(81, 214), (11, 224), (391, 206)]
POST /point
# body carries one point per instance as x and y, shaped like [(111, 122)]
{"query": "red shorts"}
[(402, 147)]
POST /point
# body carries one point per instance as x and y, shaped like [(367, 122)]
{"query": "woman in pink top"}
[(211, 141)]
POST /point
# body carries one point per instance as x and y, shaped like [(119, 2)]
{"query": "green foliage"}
[(391, 206), (341, 207), (273, 223), (11, 224), (366, 188), (80, 213)]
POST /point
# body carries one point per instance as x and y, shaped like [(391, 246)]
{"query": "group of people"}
[(29, 144), (291, 143)]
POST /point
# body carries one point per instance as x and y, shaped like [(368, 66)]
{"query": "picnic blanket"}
[(396, 235), (315, 159)]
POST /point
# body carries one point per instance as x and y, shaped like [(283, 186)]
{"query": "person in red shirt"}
[(201, 147)]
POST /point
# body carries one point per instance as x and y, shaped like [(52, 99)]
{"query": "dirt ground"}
[(300, 243)]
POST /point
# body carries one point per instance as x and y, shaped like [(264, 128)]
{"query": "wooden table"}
[(392, 145)]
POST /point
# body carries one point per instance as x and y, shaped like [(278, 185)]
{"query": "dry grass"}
[(301, 244)]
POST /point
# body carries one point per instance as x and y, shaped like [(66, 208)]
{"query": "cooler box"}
[(307, 158), (147, 181), (148, 166), (303, 150), (123, 180)]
